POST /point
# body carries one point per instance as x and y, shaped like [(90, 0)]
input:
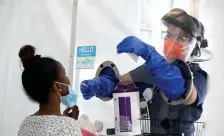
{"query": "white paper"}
[(133, 56)]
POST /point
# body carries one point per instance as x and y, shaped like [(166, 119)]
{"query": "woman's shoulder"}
[(70, 121), (62, 124), (51, 119), (71, 125)]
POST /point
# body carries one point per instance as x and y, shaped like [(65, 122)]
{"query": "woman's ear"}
[(55, 87)]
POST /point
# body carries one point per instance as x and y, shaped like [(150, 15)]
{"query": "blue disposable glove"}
[(134, 45), (100, 87), (167, 78)]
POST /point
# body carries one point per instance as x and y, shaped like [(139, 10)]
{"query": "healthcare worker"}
[(179, 84)]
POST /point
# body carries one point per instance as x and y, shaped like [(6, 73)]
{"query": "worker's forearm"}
[(140, 74), (193, 97)]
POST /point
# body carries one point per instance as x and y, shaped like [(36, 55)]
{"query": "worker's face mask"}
[(70, 99), (178, 44), (172, 49)]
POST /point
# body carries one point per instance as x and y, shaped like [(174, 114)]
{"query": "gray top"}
[(140, 74), (159, 109)]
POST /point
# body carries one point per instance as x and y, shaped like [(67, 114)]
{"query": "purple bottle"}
[(126, 110)]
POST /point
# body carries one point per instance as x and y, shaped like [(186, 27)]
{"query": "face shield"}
[(181, 35), (178, 44)]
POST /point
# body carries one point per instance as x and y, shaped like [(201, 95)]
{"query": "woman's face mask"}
[(70, 99)]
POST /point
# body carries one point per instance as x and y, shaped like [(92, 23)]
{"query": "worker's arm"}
[(199, 89), (101, 87), (197, 96), (137, 75), (174, 80)]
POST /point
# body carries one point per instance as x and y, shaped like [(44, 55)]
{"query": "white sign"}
[(86, 56)]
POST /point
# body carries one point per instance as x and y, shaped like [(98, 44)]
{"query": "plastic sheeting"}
[(105, 24), (47, 25), (211, 13)]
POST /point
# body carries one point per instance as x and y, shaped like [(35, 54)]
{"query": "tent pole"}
[(72, 56)]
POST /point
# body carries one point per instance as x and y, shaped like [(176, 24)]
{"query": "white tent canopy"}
[(46, 24)]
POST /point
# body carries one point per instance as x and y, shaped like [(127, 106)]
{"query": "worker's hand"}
[(100, 87), (72, 112), (126, 79), (89, 88), (133, 44)]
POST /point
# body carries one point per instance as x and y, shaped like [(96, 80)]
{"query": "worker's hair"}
[(38, 75)]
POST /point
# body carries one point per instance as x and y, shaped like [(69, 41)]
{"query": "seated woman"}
[(45, 82)]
